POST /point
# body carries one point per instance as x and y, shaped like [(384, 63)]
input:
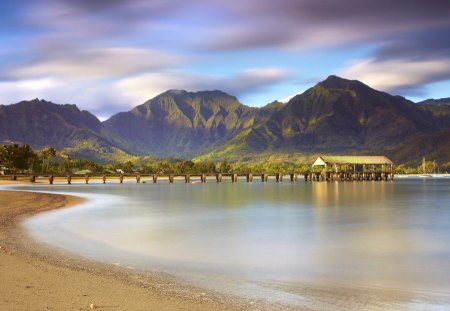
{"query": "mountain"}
[(180, 123), (439, 108), (334, 116), (41, 123), (435, 146), (436, 102)]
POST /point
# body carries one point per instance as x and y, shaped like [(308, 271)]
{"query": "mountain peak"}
[(49, 105), (37, 100), (176, 91), (335, 82), (334, 78), (31, 122), (199, 93), (436, 102), (182, 122)]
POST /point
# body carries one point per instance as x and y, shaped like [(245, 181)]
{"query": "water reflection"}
[(384, 235)]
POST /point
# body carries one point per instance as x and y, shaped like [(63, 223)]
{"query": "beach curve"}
[(38, 277)]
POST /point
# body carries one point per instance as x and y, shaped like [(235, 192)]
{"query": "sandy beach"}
[(36, 277)]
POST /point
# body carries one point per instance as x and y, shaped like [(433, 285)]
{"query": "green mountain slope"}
[(180, 123), (334, 116), (41, 123), (439, 108), (436, 102), (434, 146)]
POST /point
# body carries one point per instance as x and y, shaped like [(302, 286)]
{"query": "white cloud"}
[(101, 54), (145, 86), (98, 63), (104, 97), (97, 98), (85, 77), (10, 91), (391, 75)]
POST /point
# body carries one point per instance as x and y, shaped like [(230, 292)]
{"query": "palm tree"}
[(46, 154)]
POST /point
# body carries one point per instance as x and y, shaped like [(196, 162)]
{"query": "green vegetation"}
[(180, 123), (22, 159), (17, 158)]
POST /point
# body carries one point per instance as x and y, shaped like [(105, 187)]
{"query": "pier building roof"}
[(358, 160)]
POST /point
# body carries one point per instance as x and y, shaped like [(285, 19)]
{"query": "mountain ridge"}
[(334, 116), (337, 115), (182, 122), (436, 102), (41, 123)]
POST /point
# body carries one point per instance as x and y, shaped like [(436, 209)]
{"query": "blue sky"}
[(108, 56)]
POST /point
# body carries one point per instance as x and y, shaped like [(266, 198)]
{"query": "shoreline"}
[(36, 276)]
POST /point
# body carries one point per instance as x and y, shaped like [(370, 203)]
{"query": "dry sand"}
[(36, 277)]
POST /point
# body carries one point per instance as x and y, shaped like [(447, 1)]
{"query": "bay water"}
[(293, 243)]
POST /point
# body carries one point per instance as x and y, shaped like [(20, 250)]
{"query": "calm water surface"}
[(271, 241)]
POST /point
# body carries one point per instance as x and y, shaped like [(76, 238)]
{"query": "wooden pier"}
[(312, 176), (325, 168), (219, 177)]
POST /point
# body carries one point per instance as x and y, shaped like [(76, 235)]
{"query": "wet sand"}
[(37, 277)]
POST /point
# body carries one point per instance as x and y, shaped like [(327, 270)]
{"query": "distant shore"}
[(423, 175), (38, 277)]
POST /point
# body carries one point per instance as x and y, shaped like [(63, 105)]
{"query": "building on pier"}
[(354, 167), (354, 162)]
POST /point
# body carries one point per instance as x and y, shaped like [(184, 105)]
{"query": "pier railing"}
[(211, 177)]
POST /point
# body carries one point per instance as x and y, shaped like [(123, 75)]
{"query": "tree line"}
[(22, 159), (19, 159)]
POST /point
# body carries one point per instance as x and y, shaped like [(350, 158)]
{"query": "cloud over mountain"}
[(95, 53)]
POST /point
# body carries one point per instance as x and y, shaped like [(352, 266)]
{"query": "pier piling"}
[(234, 177), (264, 177), (219, 177), (249, 177), (279, 177), (293, 177)]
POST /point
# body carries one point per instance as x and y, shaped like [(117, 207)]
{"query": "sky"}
[(108, 56)]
